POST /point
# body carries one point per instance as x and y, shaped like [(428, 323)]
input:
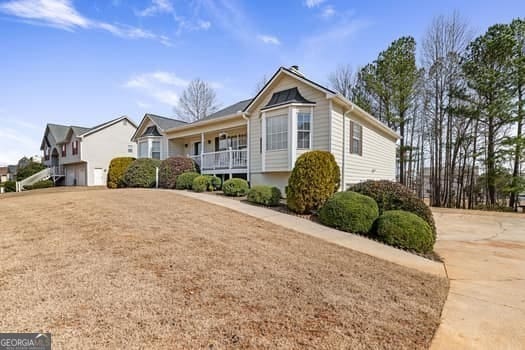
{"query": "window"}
[(74, 147), (277, 133), (303, 130), (155, 149), (130, 148), (356, 139), (197, 148), (64, 148), (143, 149)]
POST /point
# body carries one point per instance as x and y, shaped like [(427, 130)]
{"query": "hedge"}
[(315, 178), (405, 230), (394, 196), (185, 180), (40, 184), (116, 171), (141, 173), (265, 195), (235, 187), (171, 168), (349, 211)]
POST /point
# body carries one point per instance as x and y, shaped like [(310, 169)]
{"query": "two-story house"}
[(260, 138), (81, 156)]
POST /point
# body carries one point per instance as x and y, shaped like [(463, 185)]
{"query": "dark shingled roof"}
[(151, 131), (59, 131), (165, 123), (232, 109), (286, 96)]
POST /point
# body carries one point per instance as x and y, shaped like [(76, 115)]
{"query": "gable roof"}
[(61, 132), (287, 96), (163, 123), (231, 109)]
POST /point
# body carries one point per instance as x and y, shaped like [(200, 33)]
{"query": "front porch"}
[(220, 151)]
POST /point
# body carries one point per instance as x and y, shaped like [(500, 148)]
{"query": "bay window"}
[(155, 149), (143, 149), (277, 133), (304, 125)]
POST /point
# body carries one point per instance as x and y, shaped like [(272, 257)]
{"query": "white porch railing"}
[(222, 160), (54, 173)]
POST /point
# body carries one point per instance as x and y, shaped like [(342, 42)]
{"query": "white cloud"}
[(313, 3), (156, 7), (160, 85), (268, 39), (328, 11), (62, 14)]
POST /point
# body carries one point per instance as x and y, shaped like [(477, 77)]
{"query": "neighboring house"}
[(260, 138), (7, 173), (82, 155)]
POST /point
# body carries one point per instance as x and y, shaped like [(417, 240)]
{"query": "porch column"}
[(230, 159), (202, 150)]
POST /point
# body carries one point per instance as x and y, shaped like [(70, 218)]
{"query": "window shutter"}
[(361, 140), (351, 137)]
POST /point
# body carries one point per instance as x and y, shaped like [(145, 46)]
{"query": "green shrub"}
[(141, 173), (349, 211), (200, 183), (394, 196), (185, 180), (206, 183), (404, 230), (40, 184), (30, 169), (265, 195), (9, 186), (315, 177), (171, 168), (235, 187), (116, 171)]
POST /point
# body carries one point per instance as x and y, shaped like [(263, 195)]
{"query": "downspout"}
[(343, 165), (248, 141)]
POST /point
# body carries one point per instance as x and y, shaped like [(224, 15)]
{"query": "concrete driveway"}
[(484, 256)]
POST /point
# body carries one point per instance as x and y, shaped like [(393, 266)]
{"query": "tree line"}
[(458, 103)]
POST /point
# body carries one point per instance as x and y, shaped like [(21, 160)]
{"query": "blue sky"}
[(85, 62)]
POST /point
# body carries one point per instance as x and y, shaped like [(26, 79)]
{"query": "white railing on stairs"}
[(53, 172)]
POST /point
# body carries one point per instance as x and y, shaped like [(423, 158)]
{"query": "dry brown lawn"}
[(145, 269)]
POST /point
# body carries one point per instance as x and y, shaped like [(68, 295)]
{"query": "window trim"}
[(309, 131), (353, 138), (286, 133), (159, 151)]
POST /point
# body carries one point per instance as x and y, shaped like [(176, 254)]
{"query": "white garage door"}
[(98, 177)]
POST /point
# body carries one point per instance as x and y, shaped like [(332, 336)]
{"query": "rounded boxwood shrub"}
[(141, 173), (40, 184), (235, 187), (116, 171), (404, 230), (394, 196), (315, 178), (265, 195), (349, 211), (206, 183), (171, 168), (185, 180)]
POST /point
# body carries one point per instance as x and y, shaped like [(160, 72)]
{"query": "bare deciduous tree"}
[(260, 84), (343, 80), (197, 101)]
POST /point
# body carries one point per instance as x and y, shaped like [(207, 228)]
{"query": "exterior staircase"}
[(53, 173)]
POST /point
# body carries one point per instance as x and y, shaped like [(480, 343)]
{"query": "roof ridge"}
[(160, 116)]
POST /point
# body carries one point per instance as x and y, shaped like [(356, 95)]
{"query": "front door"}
[(197, 148), (98, 177)]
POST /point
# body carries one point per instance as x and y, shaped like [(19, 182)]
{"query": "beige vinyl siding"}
[(378, 161), (277, 179), (277, 160), (255, 145), (337, 133), (106, 144)]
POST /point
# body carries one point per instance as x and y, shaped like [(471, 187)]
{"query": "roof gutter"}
[(204, 122)]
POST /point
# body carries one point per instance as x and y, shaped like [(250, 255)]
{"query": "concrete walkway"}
[(344, 239), (485, 259)]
